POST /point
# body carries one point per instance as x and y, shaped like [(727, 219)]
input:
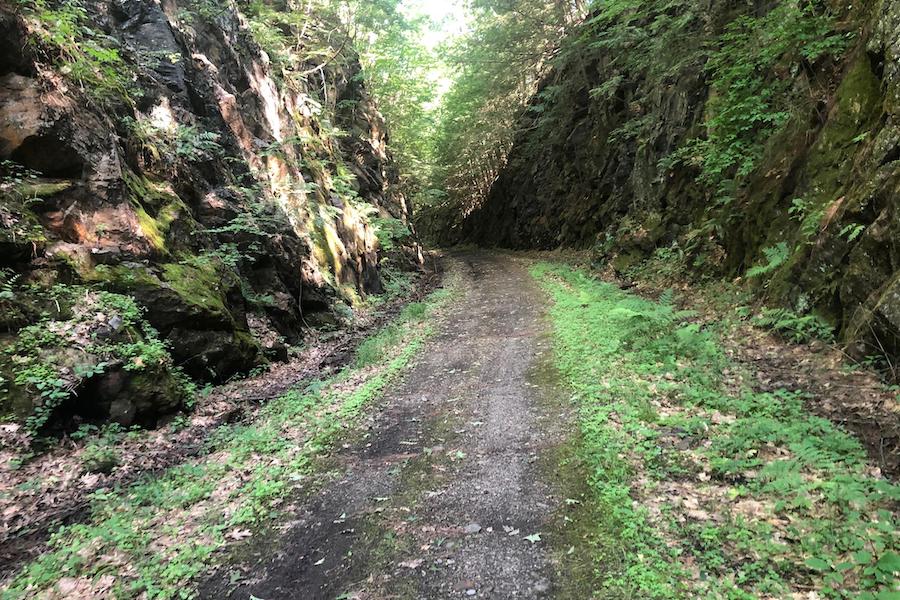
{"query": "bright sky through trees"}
[(448, 18)]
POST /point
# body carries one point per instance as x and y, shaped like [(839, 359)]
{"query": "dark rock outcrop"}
[(602, 176)]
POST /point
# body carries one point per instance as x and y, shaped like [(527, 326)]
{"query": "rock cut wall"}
[(611, 162), (155, 150)]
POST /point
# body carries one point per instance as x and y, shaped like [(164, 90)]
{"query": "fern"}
[(775, 257), (852, 231), (794, 327)]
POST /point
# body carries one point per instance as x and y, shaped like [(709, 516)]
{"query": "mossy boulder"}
[(130, 398), (174, 293), (198, 310), (92, 357)]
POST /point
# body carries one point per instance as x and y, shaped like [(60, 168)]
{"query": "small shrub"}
[(795, 327), (389, 232), (99, 458)]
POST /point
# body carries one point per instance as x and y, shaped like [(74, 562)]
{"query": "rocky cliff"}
[(176, 199), (739, 139)]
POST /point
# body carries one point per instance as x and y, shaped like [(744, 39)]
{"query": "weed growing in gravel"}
[(706, 491), (150, 539)]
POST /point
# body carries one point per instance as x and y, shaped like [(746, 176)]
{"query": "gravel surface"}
[(446, 496)]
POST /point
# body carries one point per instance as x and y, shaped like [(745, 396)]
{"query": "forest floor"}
[(529, 431)]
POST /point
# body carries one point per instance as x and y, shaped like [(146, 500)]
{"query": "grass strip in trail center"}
[(705, 488), (150, 539)]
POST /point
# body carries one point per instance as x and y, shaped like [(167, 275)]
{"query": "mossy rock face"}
[(199, 286), (21, 234), (176, 294), (165, 220), (20, 310), (131, 398), (15, 403), (196, 307)]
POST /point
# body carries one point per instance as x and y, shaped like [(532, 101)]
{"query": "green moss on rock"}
[(157, 209), (15, 403), (198, 284)]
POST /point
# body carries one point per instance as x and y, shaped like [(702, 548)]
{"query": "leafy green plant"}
[(852, 231), (193, 144), (165, 145), (8, 280), (809, 216), (797, 328), (751, 101), (91, 332), (82, 53), (389, 232), (775, 256)]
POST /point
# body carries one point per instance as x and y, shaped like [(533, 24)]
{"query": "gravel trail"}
[(453, 491)]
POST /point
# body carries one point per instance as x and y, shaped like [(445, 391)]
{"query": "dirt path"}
[(438, 499)]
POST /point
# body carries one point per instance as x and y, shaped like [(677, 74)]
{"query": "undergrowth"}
[(80, 335), (84, 54), (784, 502), (161, 532)]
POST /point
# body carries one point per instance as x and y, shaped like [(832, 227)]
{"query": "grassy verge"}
[(704, 488), (150, 539)]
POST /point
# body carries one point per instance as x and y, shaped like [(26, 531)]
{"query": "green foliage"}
[(389, 232), (19, 189), (401, 71), (83, 54), (852, 231), (775, 256), (797, 328), (809, 216), (8, 280), (751, 99), (164, 146), (825, 524), (195, 145), (91, 332)]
